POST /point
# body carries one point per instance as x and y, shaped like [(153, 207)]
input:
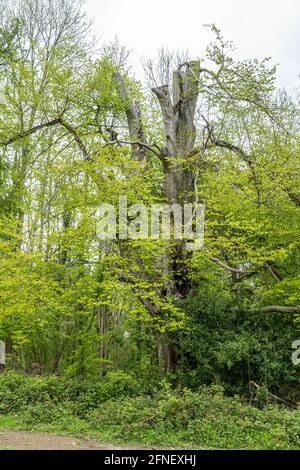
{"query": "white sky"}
[(260, 28)]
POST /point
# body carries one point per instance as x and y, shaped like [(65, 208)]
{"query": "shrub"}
[(18, 390), (118, 408), (200, 419)]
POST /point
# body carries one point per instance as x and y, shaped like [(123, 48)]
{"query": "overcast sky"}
[(260, 28)]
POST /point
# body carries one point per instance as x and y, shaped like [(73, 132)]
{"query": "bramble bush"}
[(120, 408), (205, 418), (19, 390)]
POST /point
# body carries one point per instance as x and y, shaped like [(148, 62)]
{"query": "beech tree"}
[(78, 131)]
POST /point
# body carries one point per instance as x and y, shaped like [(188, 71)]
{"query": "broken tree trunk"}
[(178, 110), (134, 121), (180, 132)]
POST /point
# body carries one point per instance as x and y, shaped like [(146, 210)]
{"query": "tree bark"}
[(178, 110), (102, 316), (134, 121), (180, 132)]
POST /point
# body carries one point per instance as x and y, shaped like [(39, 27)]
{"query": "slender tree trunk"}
[(102, 316)]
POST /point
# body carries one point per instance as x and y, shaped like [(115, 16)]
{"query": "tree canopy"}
[(78, 130)]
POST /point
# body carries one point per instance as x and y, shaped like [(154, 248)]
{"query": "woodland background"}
[(186, 341)]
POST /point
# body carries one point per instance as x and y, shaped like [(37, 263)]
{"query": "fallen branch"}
[(258, 387), (279, 309)]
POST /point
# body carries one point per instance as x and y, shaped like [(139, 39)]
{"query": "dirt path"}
[(23, 440)]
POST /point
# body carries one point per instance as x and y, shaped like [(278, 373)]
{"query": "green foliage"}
[(111, 409), (203, 419), (18, 391), (110, 317), (233, 346)]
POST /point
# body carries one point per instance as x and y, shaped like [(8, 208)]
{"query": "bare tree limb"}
[(277, 276), (79, 142), (279, 309), (31, 131), (222, 143), (53, 122), (136, 143), (229, 268), (185, 96)]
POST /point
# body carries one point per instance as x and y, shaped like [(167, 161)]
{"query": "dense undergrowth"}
[(120, 408)]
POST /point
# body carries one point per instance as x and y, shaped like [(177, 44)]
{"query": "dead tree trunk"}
[(134, 121), (180, 134), (178, 109)]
